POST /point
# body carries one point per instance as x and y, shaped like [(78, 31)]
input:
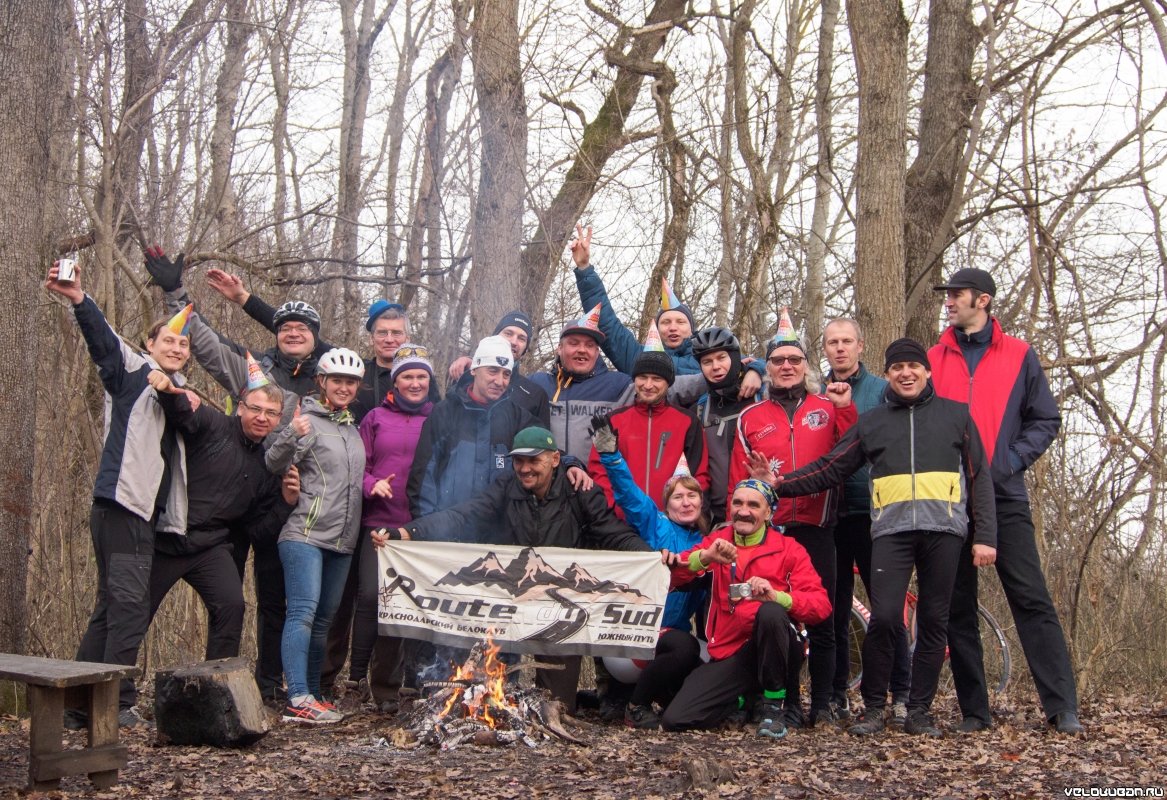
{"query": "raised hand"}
[(839, 393), (228, 285), (581, 246), (604, 436), (759, 467), (301, 425), (70, 290), (164, 273)]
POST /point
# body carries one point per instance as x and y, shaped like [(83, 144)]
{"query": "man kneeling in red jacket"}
[(762, 583)]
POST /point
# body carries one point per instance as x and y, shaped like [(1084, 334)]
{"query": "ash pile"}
[(477, 705)]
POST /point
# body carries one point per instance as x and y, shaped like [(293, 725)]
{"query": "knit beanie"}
[(410, 356), (519, 320), (905, 350), (655, 362)]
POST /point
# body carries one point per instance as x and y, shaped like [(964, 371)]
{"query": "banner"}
[(551, 600)]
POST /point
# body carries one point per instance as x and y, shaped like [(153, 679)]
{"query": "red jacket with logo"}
[(777, 558), (652, 439), (766, 428)]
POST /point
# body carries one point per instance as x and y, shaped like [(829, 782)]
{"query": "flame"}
[(488, 690)]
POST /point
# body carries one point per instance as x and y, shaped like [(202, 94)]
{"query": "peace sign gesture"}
[(581, 246)]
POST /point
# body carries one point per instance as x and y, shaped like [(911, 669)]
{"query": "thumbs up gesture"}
[(300, 424)]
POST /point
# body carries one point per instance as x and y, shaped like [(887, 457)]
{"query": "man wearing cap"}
[(533, 505), (466, 439), (516, 328), (1001, 379), (763, 582), (792, 427), (653, 434), (924, 495), (580, 385), (843, 345)]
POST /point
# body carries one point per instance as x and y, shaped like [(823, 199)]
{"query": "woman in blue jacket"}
[(681, 526)]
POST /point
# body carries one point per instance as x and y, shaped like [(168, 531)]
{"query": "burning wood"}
[(476, 705)]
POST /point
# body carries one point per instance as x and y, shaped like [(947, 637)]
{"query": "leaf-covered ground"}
[(1125, 745)]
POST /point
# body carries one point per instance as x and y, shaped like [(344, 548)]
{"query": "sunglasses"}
[(793, 361), (415, 351)]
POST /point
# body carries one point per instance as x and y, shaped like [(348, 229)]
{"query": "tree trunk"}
[(222, 203), (936, 178), (33, 97), (880, 35), (502, 188)]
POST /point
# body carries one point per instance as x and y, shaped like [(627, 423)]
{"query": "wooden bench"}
[(48, 679)]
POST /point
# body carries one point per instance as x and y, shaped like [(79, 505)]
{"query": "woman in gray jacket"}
[(316, 543)]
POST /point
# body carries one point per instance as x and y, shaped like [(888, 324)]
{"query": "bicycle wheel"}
[(998, 662), (856, 633)]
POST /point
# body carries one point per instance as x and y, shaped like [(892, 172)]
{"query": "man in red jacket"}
[(788, 430), (762, 582), (654, 433), (1009, 396)]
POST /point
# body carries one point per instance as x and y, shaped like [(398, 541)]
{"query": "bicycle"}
[(997, 659)]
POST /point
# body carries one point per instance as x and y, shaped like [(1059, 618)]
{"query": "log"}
[(213, 703)]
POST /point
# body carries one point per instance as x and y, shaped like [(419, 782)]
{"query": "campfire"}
[(476, 705)]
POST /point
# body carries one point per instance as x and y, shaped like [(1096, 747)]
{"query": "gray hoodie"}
[(331, 460)]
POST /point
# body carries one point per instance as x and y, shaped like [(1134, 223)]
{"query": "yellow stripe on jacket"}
[(942, 486)]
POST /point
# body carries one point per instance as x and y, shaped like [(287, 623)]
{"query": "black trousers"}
[(1042, 639), (853, 548), (123, 545), (211, 573), (677, 654), (769, 661), (379, 657), (934, 556), (271, 609), (820, 546)]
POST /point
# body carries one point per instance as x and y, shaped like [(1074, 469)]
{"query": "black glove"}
[(604, 436), (164, 273)]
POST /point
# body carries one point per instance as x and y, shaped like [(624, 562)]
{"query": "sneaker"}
[(327, 704), (76, 720), (919, 723), (1067, 722), (973, 725), (868, 723), (826, 716), (311, 712), (772, 725), (841, 705), (358, 690), (641, 717), (611, 709), (793, 717), (899, 713), (131, 718)]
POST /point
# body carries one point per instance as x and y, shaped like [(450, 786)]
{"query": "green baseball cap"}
[(533, 441)]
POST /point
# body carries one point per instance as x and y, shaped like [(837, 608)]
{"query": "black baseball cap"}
[(970, 278)]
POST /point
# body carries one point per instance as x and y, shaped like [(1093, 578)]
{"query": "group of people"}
[(762, 486)]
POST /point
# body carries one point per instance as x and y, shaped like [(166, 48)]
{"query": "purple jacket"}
[(390, 436)]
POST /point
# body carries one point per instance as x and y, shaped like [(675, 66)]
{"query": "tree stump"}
[(213, 703)]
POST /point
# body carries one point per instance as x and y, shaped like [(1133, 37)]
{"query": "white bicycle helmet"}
[(341, 361)]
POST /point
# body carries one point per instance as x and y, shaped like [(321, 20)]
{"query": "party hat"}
[(180, 322), (785, 328), (668, 300), (652, 342), (588, 325), (682, 467), (255, 376)]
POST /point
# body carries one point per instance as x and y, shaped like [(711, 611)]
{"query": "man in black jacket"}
[(537, 507)]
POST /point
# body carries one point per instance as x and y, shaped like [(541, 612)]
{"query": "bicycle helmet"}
[(299, 311), (341, 361), (710, 340)]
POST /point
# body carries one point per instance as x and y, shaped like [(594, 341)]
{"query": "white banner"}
[(550, 600)]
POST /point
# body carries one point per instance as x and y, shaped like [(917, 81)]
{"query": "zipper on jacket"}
[(660, 450), (912, 457), (648, 452)]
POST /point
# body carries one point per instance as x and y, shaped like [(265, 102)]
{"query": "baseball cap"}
[(533, 441), (970, 278)]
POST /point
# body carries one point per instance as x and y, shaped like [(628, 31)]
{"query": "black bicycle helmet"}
[(297, 310), (711, 340)]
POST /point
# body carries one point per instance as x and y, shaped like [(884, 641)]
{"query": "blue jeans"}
[(314, 581)]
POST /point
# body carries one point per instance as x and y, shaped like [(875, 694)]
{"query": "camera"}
[(740, 591)]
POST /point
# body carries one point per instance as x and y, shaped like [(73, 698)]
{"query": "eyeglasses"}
[(390, 334), (414, 351), (294, 327), (262, 412), (793, 361)]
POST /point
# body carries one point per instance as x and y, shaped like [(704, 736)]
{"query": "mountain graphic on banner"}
[(528, 570)]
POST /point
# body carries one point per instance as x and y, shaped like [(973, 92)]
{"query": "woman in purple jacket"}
[(390, 433)]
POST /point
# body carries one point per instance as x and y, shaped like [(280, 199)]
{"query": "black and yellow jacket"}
[(928, 468)]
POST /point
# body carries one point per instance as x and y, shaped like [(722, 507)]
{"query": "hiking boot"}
[(868, 723), (311, 712), (611, 709), (841, 706), (641, 717), (793, 717), (973, 725), (899, 714), (76, 720), (1067, 722), (359, 690), (131, 718), (772, 725), (827, 716), (919, 723)]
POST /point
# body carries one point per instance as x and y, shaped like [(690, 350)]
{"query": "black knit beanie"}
[(905, 350), (655, 362)]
